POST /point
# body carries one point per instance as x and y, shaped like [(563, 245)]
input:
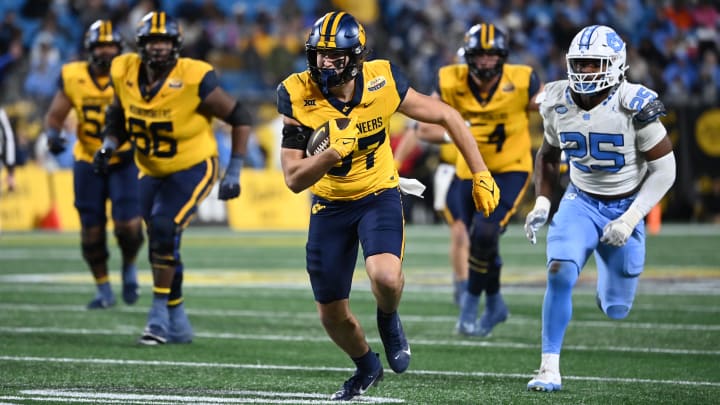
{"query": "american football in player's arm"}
[(338, 133)]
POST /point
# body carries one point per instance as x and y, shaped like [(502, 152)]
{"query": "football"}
[(320, 138)]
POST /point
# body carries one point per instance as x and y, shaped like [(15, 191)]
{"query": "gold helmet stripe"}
[(105, 32), (487, 36), (329, 29), (158, 23)]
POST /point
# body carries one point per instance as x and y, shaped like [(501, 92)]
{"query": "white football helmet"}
[(600, 43)]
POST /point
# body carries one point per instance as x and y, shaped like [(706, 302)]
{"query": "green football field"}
[(258, 339)]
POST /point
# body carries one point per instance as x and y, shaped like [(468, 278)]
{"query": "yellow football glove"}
[(343, 140), (486, 192)]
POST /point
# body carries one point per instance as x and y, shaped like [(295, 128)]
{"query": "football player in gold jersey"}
[(85, 87), (493, 98), (354, 184), (164, 105)]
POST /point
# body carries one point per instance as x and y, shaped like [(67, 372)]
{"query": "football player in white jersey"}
[(621, 164)]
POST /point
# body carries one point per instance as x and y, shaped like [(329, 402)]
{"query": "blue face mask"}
[(328, 78)]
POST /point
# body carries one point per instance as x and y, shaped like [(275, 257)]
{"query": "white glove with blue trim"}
[(537, 218), (617, 232)]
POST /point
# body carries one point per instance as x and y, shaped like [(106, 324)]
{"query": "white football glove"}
[(617, 232), (537, 218)]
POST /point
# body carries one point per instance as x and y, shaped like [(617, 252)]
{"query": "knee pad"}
[(94, 246), (483, 247), (162, 233), (484, 262), (562, 275), (129, 237), (485, 235), (617, 311)]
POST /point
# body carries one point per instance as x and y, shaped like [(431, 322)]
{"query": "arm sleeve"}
[(661, 176), (296, 137), (115, 123)]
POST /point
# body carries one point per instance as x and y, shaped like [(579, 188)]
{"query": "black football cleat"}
[(357, 385)]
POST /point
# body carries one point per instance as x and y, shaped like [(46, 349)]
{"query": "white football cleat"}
[(545, 380)]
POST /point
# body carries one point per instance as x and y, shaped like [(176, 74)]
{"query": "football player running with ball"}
[(354, 184), (85, 87), (163, 105), (621, 164)]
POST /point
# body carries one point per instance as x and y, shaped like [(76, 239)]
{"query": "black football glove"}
[(101, 160), (55, 141)]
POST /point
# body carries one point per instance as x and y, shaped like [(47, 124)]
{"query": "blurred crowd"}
[(673, 46)]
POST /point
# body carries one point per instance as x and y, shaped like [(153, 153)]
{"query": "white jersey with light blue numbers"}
[(602, 145)]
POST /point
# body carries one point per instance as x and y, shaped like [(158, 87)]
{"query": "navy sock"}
[(368, 362)]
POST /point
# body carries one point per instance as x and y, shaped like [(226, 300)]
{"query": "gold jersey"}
[(448, 153), (500, 127), (166, 128), (89, 95), (379, 90)]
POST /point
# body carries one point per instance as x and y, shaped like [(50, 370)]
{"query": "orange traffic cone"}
[(654, 220), (51, 221)]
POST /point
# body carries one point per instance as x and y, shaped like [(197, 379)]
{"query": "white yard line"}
[(159, 363), (229, 397), (132, 331), (513, 320)]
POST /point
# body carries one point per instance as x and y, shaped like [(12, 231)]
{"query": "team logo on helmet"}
[(601, 46)]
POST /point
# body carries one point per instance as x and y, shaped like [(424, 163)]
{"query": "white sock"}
[(551, 361)]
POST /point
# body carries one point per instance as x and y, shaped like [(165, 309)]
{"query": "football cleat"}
[(130, 288), (357, 385), (495, 313), (156, 330), (152, 337), (180, 330), (397, 349), (468, 328), (545, 380), (101, 302)]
